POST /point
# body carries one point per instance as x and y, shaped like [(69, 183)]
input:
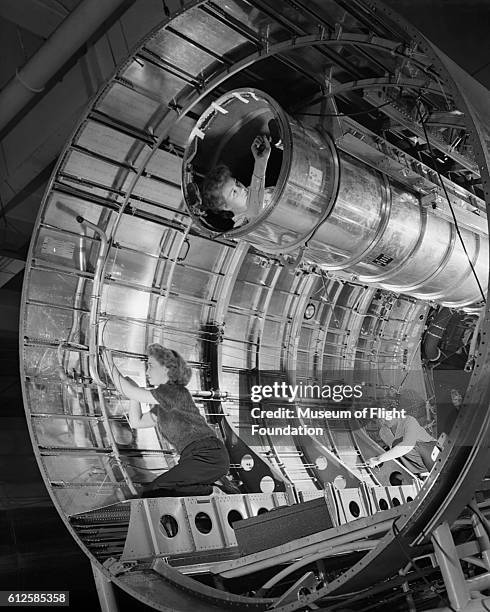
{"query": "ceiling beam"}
[(79, 27), (29, 150), (10, 249), (33, 185), (39, 18)]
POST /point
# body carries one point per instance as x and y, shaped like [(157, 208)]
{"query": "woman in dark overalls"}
[(203, 457)]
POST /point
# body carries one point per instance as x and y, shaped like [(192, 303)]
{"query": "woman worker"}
[(226, 202), (408, 442), (203, 457)]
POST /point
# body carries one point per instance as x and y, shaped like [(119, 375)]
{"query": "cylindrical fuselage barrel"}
[(345, 213)]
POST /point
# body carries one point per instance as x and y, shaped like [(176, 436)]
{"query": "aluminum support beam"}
[(105, 590), (448, 560)]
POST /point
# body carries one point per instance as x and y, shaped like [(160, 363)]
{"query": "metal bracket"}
[(116, 568), (304, 586)]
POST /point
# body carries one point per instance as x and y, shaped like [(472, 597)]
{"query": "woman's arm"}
[(261, 149), (138, 420), (394, 453), (125, 385)]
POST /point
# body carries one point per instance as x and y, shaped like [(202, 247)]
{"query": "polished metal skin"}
[(229, 307), (345, 214), (305, 185)]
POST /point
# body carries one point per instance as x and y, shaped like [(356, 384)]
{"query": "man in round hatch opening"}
[(203, 457), (409, 442), (227, 203)]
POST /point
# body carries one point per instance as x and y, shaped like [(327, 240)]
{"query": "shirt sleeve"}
[(255, 199), (159, 395), (411, 430), (386, 435)]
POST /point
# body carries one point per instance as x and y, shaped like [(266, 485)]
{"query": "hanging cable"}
[(431, 152)]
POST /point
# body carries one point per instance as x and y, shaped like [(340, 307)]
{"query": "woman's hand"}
[(261, 148), (126, 385), (373, 461)]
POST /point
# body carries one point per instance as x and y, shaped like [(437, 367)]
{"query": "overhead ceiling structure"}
[(376, 228)]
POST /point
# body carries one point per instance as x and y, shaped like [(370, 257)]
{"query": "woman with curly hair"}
[(226, 202), (203, 457)]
